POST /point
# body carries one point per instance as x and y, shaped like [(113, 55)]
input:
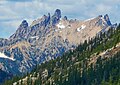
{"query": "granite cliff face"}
[(45, 39)]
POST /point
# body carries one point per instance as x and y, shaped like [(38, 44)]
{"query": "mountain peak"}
[(56, 17), (100, 16), (24, 24), (65, 17), (106, 17), (58, 13)]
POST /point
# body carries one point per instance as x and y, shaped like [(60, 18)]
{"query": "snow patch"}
[(2, 55), (78, 29), (34, 37), (89, 19), (61, 26), (103, 19), (81, 28), (15, 83)]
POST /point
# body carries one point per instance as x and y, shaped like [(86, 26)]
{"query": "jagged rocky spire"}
[(106, 17), (24, 24), (21, 31), (47, 19), (56, 17), (57, 13), (65, 17)]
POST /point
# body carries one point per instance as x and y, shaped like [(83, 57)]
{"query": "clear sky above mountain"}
[(12, 12)]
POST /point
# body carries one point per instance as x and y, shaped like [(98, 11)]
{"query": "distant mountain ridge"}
[(47, 38)]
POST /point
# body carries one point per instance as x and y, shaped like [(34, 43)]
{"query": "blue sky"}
[(12, 12)]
